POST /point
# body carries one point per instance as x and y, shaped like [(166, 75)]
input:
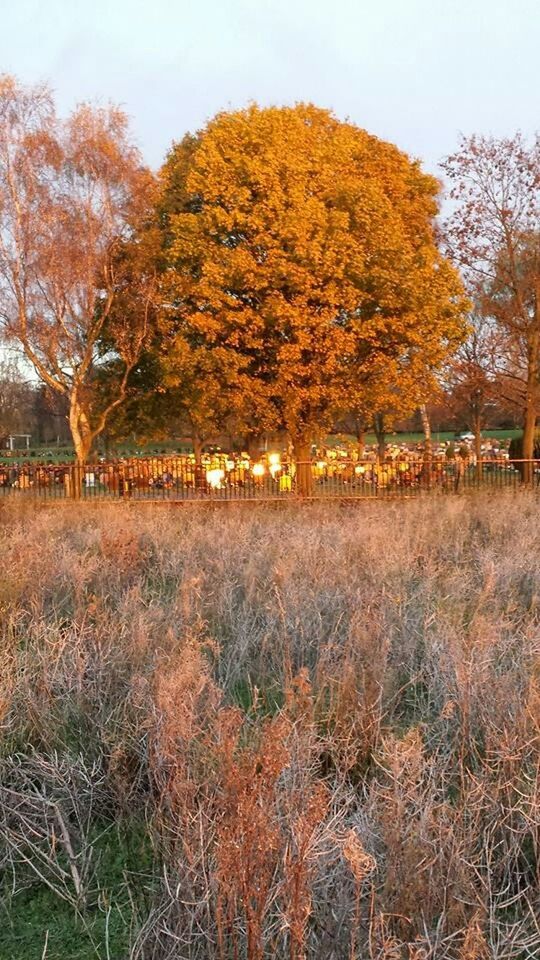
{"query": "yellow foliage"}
[(304, 248)]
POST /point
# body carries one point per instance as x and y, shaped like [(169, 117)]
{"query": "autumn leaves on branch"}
[(283, 268)]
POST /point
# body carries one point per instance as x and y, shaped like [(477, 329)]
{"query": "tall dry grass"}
[(327, 719)]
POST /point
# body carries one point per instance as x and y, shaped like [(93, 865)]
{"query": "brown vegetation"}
[(327, 721)]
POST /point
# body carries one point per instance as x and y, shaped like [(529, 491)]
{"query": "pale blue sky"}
[(413, 71)]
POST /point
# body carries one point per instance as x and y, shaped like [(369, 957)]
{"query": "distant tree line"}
[(28, 407)]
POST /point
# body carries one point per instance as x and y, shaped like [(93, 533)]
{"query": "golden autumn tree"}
[(304, 248), (71, 192)]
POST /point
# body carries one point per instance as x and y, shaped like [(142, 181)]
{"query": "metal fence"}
[(180, 479)]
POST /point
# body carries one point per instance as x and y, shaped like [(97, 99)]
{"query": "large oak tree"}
[(306, 248)]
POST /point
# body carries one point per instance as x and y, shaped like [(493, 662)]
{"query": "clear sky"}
[(417, 72)]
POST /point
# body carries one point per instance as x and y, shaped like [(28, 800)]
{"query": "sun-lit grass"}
[(263, 732)]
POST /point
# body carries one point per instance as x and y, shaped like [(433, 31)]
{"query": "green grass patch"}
[(36, 915)]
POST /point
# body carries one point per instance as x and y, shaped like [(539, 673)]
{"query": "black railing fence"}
[(180, 479)]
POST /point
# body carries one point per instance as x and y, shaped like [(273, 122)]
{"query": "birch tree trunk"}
[(82, 443)]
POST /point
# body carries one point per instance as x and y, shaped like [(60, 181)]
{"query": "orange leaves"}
[(305, 246)]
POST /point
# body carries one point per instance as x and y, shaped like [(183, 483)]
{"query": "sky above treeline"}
[(417, 72)]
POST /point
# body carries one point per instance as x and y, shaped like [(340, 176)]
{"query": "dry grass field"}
[(261, 733)]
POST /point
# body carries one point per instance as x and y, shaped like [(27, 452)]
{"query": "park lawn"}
[(437, 437), (167, 448)]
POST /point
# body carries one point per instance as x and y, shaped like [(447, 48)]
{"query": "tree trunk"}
[(304, 475), (82, 443), (197, 447), (529, 431), (361, 439), (477, 430), (426, 429), (529, 421), (380, 433), (428, 448)]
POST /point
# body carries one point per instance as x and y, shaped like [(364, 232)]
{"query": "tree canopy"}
[(303, 250)]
